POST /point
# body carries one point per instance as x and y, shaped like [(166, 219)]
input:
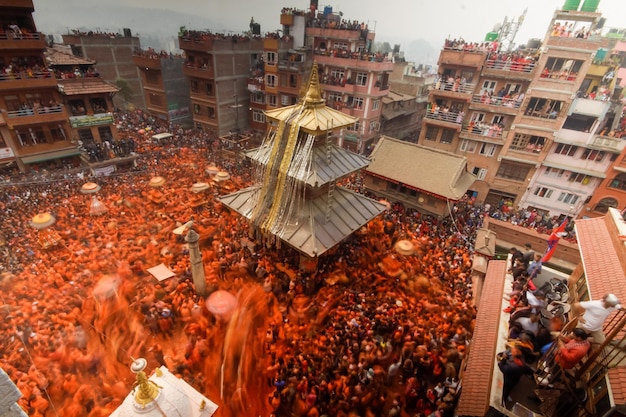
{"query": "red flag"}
[(553, 240)]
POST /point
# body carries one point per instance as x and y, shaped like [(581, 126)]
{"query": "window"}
[(356, 102), (293, 80), (478, 117), (337, 73), (447, 136), (579, 122), (271, 58), (554, 172), (258, 116), (356, 127), (105, 133), (340, 45), (272, 100), (375, 104), (152, 77), (58, 134), (209, 88), (604, 205), (271, 80), (374, 126), (332, 98), (284, 100), (468, 146), (568, 198), (431, 133), (563, 149), (619, 182), (528, 143), (361, 78), (155, 99), (258, 98), (211, 112), (562, 69), (544, 108), (513, 171), (487, 149), (194, 86), (85, 135), (480, 172), (488, 85), (543, 192), (498, 119), (579, 178), (197, 109), (593, 155)]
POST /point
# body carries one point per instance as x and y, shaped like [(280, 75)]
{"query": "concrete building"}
[(218, 67), (34, 127), (503, 110), (165, 87), (113, 53)]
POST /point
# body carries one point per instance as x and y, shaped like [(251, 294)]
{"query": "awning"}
[(31, 159)]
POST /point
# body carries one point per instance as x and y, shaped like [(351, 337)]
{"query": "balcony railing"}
[(518, 66), (33, 112), (483, 129), (455, 87), (497, 101), (285, 64), (534, 148), (445, 116), (25, 75), (607, 143)]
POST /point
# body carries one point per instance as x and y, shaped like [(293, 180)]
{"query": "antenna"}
[(508, 31)]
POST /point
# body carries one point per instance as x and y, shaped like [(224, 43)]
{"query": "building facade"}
[(113, 53), (35, 132), (218, 67), (165, 87)]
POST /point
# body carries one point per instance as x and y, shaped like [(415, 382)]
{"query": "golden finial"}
[(202, 405), (313, 96), (147, 391)]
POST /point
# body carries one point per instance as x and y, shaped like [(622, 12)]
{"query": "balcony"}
[(10, 40), (256, 84), (496, 104), (23, 117), (574, 137), (454, 90), (277, 44), (287, 65), (32, 80), (356, 61), (451, 118), (461, 58), (340, 34), (520, 70), (608, 144), (591, 44), (198, 72), (483, 132), (147, 62)]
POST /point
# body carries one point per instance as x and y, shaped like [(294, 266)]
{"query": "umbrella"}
[(221, 304), (212, 169), (404, 247), (42, 220), (222, 176), (157, 181), (199, 187), (90, 188)]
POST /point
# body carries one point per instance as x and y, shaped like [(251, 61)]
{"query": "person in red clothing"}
[(572, 350)]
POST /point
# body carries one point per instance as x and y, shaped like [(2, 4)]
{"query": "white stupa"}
[(163, 395)]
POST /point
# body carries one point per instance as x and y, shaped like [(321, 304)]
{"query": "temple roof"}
[(312, 113), (323, 168), (89, 85), (435, 171), (308, 231)]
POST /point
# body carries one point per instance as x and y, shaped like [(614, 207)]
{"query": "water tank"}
[(600, 55), (328, 10), (256, 28), (533, 43), (571, 4), (491, 36), (127, 33), (590, 6)]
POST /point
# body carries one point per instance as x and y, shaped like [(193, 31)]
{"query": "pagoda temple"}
[(295, 198)]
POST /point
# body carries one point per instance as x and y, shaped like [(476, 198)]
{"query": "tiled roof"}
[(432, 170), (604, 275), (56, 57), (475, 395), (94, 85)]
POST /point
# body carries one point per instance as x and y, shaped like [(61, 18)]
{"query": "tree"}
[(126, 93)]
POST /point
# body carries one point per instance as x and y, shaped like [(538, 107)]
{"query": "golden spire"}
[(313, 95), (147, 391)]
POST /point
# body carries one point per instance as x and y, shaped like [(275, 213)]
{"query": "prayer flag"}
[(553, 240)]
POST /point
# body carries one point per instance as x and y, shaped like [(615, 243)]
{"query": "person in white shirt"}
[(593, 313)]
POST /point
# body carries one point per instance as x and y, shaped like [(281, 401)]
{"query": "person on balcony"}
[(593, 313)]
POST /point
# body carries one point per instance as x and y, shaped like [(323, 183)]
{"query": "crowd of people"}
[(369, 331)]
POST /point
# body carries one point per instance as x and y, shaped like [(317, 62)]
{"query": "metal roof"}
[(308, 231), (327, 163)]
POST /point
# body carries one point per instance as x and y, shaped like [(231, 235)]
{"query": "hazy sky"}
[(393, 20)]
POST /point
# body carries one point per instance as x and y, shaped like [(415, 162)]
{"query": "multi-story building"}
[(165, 87), (353, 78), (503, 109), (113, 52), (218, 68), (35, 128)]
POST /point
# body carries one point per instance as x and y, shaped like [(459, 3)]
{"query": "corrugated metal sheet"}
[(308, 231)]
